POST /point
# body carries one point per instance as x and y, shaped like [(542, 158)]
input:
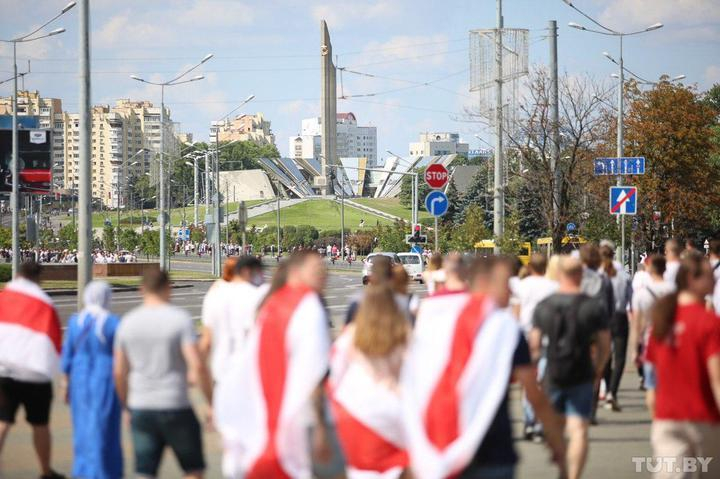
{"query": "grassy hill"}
[(392, 206), (322, 214)]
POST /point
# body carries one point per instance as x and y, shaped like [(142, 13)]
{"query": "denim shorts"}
[(573, 400), (649, 375), (178, 429)]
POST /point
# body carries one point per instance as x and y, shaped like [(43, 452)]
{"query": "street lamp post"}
[(621, 97), (173, 82), (15, 194), (117, 183), (216, 213)]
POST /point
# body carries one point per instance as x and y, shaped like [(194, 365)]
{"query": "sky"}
[(271, 49)]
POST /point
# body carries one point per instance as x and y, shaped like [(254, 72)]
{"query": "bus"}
[(487, 247), (569, 244)]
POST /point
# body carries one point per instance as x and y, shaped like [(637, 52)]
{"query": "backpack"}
[(565, 349)]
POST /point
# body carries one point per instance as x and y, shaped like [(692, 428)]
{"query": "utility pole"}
[(85, 157), (620, 145), (499, 196), (216, 213), (554, 123), (227, 214), (277, 185), (342, 220), (196, 195), (15, 195), (207, 183)]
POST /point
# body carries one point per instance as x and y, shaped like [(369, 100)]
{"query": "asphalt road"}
[(618, 438)]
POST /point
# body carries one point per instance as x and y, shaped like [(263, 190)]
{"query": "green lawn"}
[(322, 214), (392, 206), (176, 215)]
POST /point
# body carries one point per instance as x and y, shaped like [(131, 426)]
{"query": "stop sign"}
[(436, 175)]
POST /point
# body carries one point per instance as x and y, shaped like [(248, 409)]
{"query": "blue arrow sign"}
[(631, 165), (436, 202), (571, 227), (623, 200)]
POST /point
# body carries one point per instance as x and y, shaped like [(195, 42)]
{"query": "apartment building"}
[(253, 128), (438, 144)]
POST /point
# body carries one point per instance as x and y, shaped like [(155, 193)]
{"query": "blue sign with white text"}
[(634, 165), (437, 203)]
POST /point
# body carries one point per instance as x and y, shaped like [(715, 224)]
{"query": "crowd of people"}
[(69, 256), (408, 387)]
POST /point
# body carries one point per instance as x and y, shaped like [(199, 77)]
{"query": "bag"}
[(565, 349)]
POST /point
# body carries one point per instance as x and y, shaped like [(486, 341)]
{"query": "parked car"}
[(413, 264), (367, 264)]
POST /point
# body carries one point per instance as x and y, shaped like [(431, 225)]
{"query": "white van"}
[(414, 265)]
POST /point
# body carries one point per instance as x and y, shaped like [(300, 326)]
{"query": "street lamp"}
[(604, 30), (173, 82), (216, 207), (117, 184), (15, 195)]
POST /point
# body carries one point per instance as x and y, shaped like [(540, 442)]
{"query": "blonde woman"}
[(363, 387), (434, 275)]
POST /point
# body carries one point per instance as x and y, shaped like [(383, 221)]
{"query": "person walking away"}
[(30, 340), (684, 347), (87, 361), (263, 405), (571, 321), (408, 302), (530, 291), (464, 350), (655, 288), (156, 356), (363, 388), (434, 275), (598, 286), (619, 326), (226, 329), (672, 257), (213, 304)]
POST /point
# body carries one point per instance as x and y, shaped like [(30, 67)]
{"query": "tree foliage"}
[(470, 231)]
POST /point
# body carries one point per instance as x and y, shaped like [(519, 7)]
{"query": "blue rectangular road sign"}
[(623, 200), (631, 165)]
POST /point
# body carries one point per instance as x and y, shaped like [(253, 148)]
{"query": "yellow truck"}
[(486, 247)]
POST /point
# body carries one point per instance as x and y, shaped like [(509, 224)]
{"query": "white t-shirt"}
[(231, 316), (530, 292), (644, 298), (671, 271)]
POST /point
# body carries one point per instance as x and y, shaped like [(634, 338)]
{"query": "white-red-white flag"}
[(367, 413), (30, 335), (455, 376), (262, 406)]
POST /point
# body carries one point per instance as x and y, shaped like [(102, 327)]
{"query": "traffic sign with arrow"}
[(437, 203), (623, 200)]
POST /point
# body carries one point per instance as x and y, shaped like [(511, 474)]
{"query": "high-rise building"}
[(253, 128), (438, 144), (353, 141), (125, 145), (50, 116)]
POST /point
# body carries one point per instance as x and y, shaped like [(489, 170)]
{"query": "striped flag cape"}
[(262, 406), (367, 415), (455, 377), (30, 335)]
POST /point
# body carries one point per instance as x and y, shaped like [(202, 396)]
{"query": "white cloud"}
[(300, 108), (340, 12), (712, 75), (641, 13)]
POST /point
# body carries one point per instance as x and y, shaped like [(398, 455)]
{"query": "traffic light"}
[(416, 237), (416, 232)]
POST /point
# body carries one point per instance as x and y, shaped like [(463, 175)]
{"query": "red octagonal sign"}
[(436, 175)]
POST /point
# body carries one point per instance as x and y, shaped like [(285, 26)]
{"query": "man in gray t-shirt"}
[(155, 352)]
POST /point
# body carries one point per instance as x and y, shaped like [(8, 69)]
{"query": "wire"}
[(400, 59)]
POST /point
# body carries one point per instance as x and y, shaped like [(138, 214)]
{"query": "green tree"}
[(129, 239), (392, 237), (68, 237), (5, 237), (108, 238), (512, 241), (406, 189), (470, 231)]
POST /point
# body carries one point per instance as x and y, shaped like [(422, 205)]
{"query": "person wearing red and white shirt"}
[(263, 406), (684, 347), (30, 342), (363, 387)]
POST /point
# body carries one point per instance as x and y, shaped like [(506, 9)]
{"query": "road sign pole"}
[(437, 246)]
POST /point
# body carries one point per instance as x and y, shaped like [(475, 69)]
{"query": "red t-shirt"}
[(683, 386)]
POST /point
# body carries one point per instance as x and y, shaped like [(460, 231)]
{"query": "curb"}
[(118, 289)]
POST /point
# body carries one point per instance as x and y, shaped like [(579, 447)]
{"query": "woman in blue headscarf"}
[(87, 360)]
